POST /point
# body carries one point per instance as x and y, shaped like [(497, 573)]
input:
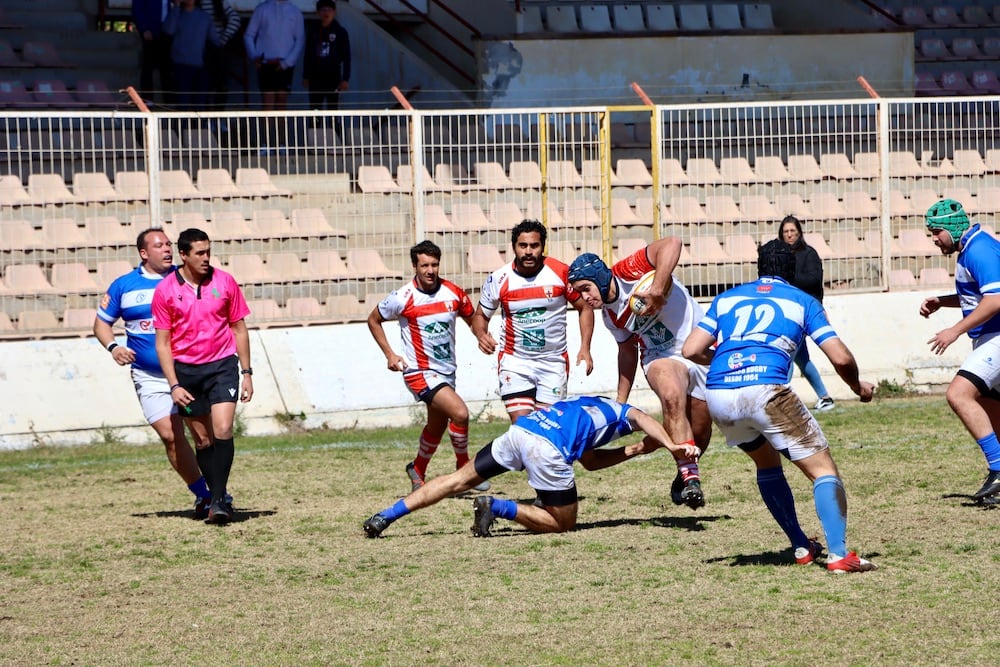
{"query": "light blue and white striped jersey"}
[(130, 297), (576, 425), (977, 272), (757, 327)]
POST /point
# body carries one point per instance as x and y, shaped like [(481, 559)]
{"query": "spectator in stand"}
[(327, 67), (274, 40), (192, 30), (217, 56), (809, 279), (148, 16)]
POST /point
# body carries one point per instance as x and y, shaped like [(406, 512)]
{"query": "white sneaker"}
[(824, 404)]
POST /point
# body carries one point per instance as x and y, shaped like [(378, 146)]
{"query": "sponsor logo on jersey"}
[(436, 328), (737, 360), (764, 288), (529, 315)]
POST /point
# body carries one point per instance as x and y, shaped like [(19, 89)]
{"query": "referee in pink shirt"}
[(202, 343)]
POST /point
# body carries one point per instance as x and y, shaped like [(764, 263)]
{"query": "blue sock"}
[(200, 488), (811, 374), (780, 502), (831, 508), (505, 509), (991, 450), (399, 509)]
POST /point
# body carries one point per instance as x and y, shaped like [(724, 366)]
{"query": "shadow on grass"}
[(239, 516)]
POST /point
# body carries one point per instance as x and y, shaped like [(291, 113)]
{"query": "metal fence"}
[(314, 213)]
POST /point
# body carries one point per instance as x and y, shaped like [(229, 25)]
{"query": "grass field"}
[(102, 564)]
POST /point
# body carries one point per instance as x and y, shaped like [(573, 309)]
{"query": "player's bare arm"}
[(698, 346), (480, 328), (242, 337), (165, 354), (586, 314), (933, 303), (106, 336), (628, 361), (394, 362), (847, 368), (663, 255), (988, 307)]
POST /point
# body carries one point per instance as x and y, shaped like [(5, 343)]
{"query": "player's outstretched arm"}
[(847, 368), (698, 346)]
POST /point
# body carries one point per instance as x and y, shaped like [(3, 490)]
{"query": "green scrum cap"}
[(948, 215)]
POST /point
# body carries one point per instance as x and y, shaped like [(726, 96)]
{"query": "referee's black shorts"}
[(211, 383)]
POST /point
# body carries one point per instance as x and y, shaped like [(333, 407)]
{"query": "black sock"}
[(224, 450), (206, 461)]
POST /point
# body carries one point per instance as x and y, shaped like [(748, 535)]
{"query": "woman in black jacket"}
[(809, 279)]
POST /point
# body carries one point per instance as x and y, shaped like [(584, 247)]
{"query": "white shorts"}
[(696, 372), (423, 384), (154, 395), (547, 377), (984, 362), (773, 411), (547, 470)]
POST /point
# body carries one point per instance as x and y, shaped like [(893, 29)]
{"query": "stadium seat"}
[(108, 271), (6, 326), (26, 279), (42, 54), (945, 15), (377, 179), (931, 276), (561, 18), (249, 269), (984, 82), (740, 247), (792, 204), (925, 84), (687, 209), (563, 174), (232, 226), (693, 17), (37, 320), (904, 164), (672, 173), (8, 57), (12, 192), (736, 170), (19, 235), (933, 48), (406, 178), (484, 258), (256, 182), (286, 267), (914, 16), (758, 208), (580, 213), (954, 82), (827, 206), (703, 170), (595, 18), (491, 175), (54, 95), (13, 94), (325, 265), (628, 18), (622, 215), (819, 244), (177, 184), (632, 172), (725, 16), (108, 231), (721, 208), (922, 199), (525, 174), (758, 16), (661, 18), (96, 94), (49, 189), (552, 217), (469, 217), (804, 168), (505, 214), (991, 43), (272, 223), (902, 279), (859, 204), (916, 243), (845, 243), (312, 223), (345, 308), (303, 308), (64, 233), (590, 172), (73, 278), (975, 15), (93, 187), (770, 169), (449, 176), (837, 166), (263, 310), (436, 221), (966, 47), (368, 263), (217, 183)]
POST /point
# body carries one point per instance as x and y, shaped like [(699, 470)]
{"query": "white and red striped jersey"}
[(664, 332), (534, 309), (427, 323)]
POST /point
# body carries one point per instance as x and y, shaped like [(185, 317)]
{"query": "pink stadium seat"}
[(985, 82), (95, 93), (42, 54), (955, 83), (926, 85)]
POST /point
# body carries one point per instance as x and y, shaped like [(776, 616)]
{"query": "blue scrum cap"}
[(589, 266)]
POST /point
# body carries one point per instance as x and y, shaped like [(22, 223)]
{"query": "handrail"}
[(879, 10), (458, 70)]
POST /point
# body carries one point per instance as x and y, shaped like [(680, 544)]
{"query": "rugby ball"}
[(637, 303)]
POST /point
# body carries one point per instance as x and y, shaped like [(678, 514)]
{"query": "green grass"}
[(101, 563)]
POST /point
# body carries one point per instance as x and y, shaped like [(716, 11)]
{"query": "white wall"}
[(65, 391)]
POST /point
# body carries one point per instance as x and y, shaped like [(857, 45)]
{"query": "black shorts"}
[(274, 79), (211, 383)]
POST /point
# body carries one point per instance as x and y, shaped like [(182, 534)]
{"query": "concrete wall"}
[(529, 72), (65, 391)]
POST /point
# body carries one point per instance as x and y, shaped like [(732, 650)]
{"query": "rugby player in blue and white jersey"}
[(973, 392), (544, 443), (130, 298), (749, 336)]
